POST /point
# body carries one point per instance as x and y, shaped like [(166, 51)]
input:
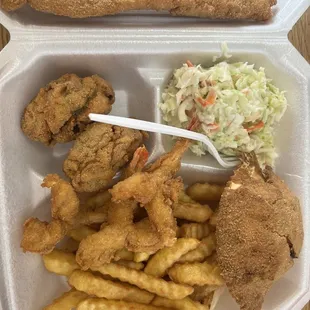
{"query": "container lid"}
[(135, 23)]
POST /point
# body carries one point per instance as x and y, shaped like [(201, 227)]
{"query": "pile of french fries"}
[(183, 276)]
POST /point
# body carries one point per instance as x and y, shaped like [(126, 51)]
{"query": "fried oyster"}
[(59, 113), (98, 154), (259, 233)]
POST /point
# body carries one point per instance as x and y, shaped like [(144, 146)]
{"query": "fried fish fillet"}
[(98, 154), (259, 233), (59, 113), (224, 9)]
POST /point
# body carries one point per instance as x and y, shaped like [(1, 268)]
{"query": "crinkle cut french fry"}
[(185, 198), (205, 192), (141, 257), (193, 212), (104, 304), (124, 254), (130, 264), (60, 262), (194, 230), (67, 301), (181, 304), (95, 285), (81, 233), (98, 200), (165, 258), (196, 274), (204, 250), (149, 283)]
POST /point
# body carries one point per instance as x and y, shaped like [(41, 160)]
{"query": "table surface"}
[(299, 36)]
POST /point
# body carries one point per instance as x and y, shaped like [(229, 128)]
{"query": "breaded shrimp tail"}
[(224, 9)]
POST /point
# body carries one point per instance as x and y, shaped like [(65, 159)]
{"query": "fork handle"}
[(143, 125)]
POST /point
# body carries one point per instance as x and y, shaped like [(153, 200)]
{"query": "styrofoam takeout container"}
[(137, 53)]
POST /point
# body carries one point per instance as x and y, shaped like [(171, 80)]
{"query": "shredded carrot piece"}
[(259, 125), (194, 123), (215, 127), (211, 97), (189, 63)]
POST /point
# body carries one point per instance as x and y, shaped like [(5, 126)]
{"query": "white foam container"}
[(137, 53)]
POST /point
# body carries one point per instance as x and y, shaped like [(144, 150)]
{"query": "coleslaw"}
[(235, 105)]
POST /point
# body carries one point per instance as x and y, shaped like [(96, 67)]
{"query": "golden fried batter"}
[(65, 203), (100, 248), (150, 234), (59, 113), (143, 186), (42, 237), (160, 212), (259, 232), (143, 237), (160, 228), (227, 9), (97, 155)]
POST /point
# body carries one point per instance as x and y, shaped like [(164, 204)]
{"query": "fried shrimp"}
[(144, 186), (42, 237), (65, 203), (150, 234)]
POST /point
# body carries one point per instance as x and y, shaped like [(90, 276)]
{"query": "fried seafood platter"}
[(127, 233)]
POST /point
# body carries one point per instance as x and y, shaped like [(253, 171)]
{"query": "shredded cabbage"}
[(236, 106), (224, 52)]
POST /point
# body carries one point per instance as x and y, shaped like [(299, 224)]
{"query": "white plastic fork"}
[(225, 161)]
